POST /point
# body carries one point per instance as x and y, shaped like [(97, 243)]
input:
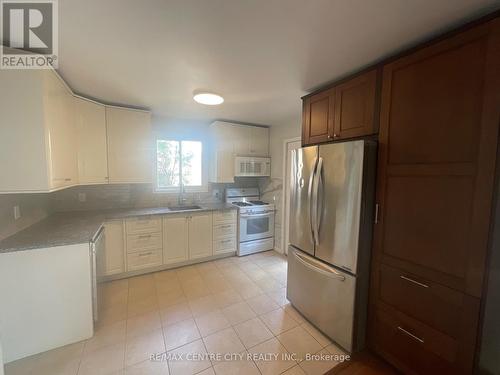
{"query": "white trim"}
[(283, 194)]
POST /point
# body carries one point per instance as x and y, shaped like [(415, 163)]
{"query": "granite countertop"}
[(69, 228)]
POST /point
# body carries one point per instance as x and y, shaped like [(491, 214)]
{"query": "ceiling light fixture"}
[(208, 98)]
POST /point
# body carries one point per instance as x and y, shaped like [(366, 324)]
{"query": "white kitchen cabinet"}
[(61, 132), (259, 141), (230, 140), (175, 238), (200, 235), (112, 261), (130, 145), (91, 139), (38, 135)]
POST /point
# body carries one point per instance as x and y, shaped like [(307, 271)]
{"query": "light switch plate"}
[(17, 213), (82, 197)]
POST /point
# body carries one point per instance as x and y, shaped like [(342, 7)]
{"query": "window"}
[(179, 163)]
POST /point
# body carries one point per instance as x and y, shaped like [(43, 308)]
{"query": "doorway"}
[(288, 147)]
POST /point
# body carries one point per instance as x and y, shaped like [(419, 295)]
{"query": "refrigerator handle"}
[(319, 199), (318, 266), (312, 206)]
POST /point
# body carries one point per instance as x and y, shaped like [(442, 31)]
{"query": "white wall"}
[(272, 189)]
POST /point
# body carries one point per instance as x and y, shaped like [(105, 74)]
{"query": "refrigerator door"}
[(339, 190), (303, 166), (324, 295)]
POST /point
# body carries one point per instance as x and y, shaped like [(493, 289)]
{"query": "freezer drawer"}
[(324, 295)]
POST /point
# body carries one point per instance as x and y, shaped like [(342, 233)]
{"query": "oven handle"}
[(270, 213)]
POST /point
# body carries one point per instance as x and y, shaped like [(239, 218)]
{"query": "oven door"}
[(256, 226)]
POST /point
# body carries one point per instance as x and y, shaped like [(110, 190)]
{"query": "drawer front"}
[(224, 230), (143, 225), (415, 348), (225, 245), (142, 242), (224, 216), (144, 259), (428, 302)]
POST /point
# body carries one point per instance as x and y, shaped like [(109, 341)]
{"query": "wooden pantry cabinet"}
[(346, 110), (437, 154)]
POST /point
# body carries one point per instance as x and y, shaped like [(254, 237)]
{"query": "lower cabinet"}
[(149, 242), (112, 261), (200, 235), (175, 239)]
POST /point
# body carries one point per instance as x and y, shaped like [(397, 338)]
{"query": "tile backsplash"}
[(133, 195), (33, 208)]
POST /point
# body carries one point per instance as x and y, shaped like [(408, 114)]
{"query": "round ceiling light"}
[(208, 98)]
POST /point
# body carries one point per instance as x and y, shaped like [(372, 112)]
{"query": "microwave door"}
[(301, 187), (339, 203)]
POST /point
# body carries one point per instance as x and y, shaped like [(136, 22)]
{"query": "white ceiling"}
[(261, 55)]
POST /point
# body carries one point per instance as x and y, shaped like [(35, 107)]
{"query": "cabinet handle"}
[(225, 226), (145, 254), (376, 213), (411, 335), (335, 135), (329, 136), (145, 236), (414, 281), (226, 241)]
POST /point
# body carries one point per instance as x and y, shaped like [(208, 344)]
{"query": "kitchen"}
[(157, 217)]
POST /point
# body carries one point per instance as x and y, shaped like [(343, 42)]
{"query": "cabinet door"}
[(130, 146), (61, 132), (259, 141), (175, 239), (318, 117), (91, 137), (438, 141), (200, 235), (355, 106), (241, 136), (112, 261)]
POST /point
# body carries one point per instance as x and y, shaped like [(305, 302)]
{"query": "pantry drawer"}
[(142, 242), (416, 348), (224, 230), (144, 259), (439, 307), (225, 245), (143, 224), (224, 216)]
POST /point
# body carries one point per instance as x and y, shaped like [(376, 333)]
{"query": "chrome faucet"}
[(181, 198)]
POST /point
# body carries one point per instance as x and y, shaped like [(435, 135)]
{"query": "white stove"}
[(255, 220)]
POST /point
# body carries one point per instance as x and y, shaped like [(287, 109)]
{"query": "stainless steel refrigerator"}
[(331, 220)]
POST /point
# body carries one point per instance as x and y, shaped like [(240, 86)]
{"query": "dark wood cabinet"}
[(439, 121), (318, 117), (347, 110), (355, 106)]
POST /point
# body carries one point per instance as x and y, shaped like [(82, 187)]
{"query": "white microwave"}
[(249, 166)]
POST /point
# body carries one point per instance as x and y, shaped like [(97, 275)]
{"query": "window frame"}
[(203, 188)]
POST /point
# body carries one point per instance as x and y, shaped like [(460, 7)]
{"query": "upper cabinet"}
[(51, 139), (130, 145), (344, 111), (230, 140), (60, 129), (91, 136), (38, 135)]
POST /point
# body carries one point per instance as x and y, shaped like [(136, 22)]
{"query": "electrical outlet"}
[(82, 197), (17, 213)]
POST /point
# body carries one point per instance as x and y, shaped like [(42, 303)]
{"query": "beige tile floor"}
[(234, 305)]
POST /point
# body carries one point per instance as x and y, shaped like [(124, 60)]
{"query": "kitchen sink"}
[(185, 208)]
